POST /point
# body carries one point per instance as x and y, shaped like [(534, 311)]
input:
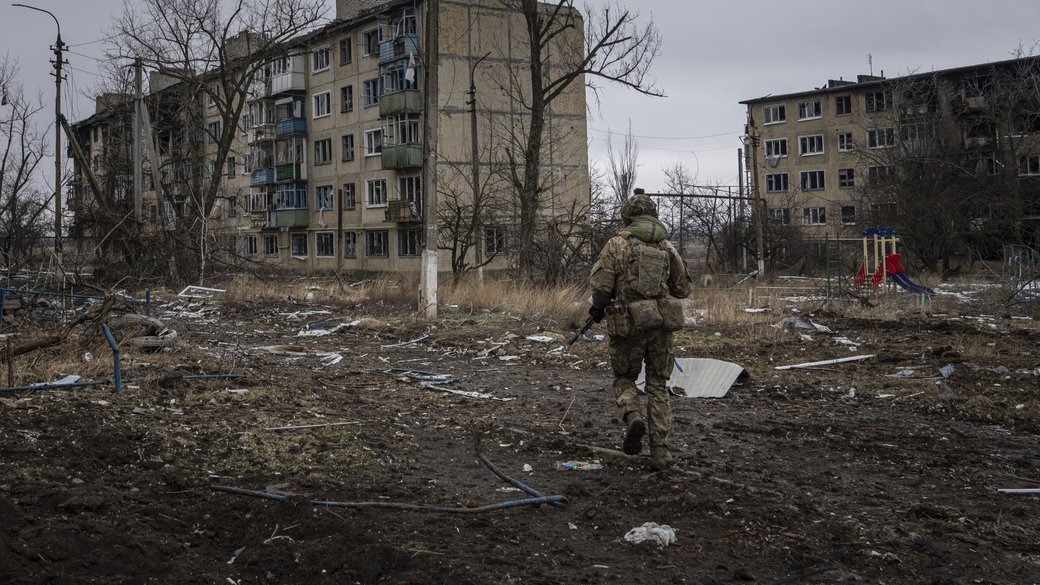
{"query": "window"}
[(377, 243), (322, 104), (848, 214), (881, 212), (346, 51), (256, 202), (774, 114), (879, 101), (370, 93), (271, 245), (375, 192), (346, 98), (289, 197), (249, 246), (814, 216), (323, 244), (370, 42), (809, 145), (409, 242), (347, 146), (846, 178), (349, 244), (320, 60), (777, 147), (410, 189), (373, 142), (247, 163), (881, 174), (845, 141), (780, 215), (232, 166), (401, 129), (298, 245), (809, 110), (323, 151), (812, 181), (349, 196), (213, 132), (323, 197), (211, 95), (397, 77), (232, 206), (776, 183), (912, 132), (843, 105), (880, 138), (1029, 166), (495, 241)]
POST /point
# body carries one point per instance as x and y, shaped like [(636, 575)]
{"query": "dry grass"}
[(567, 304)]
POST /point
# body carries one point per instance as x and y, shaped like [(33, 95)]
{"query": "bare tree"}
[(215, 52), (614, 47), (622, 166), (22, 146), (463, 221)]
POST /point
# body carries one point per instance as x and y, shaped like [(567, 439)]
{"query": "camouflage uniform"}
[(654, 347)]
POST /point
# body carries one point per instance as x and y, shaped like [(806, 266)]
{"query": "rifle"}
[(584, 328)]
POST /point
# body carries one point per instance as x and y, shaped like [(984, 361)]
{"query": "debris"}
[(947, 370), (199, 291), (87, 356), (508, 358), (541, 338), (661, 535), (701, 377), (467, 393), (66, 381), (908, 373), (800, 323), (1019, 491), (598, 338), (326, 327), (578, 465), (854, 358), (416, 340), (528, 468), (318, 426), (945, 390), (756, 309)]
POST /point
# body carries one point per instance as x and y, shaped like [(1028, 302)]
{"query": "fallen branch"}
[(297, 427)]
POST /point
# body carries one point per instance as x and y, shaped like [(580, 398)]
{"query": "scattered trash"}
[(756, 309), (142, 331), (853, 346), (66, 381), (800, 323), (945, 390), (326, 327), (661, 535), (1020, 491), (947, 370), (199, 291), (578, 465), (317, 426), (528, 468), (689, 321), (594, 337), (855, 358), (466, 393), (541, 338), (508, 358), (701, 377), (572, 526), (902, 374), (87, 356), (882, 396)]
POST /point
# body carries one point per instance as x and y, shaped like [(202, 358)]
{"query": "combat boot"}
[(634, 434), (660, 457)]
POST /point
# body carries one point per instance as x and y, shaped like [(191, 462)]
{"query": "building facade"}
[(955, 147), (325, 170)]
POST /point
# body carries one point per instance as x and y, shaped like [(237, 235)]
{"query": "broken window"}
[(377, 243), (323, 244)]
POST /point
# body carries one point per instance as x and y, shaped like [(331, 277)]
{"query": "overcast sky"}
[(716, 53)]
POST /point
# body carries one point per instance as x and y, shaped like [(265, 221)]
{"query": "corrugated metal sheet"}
[(701, 377)]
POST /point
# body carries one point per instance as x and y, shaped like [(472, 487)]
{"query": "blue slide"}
[(904, 281)]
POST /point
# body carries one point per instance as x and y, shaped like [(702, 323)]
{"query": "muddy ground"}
[(831, 475)]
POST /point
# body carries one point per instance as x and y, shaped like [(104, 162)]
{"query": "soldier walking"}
[(637, 283)]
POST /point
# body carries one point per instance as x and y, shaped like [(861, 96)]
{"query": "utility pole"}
[(431, 112), (138, 170), (757, 214), (478, 253), (59, 48), (740, 192)]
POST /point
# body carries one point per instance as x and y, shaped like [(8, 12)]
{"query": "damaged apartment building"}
[(951, 158), (325, 170)]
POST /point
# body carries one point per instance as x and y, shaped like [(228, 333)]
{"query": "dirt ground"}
[(838, 474)]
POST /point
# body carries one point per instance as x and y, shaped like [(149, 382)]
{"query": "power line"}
[(665, 137)]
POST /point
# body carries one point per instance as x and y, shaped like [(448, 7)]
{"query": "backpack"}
[(646, 272)]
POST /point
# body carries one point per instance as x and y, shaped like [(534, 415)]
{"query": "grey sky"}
[(716, 53)]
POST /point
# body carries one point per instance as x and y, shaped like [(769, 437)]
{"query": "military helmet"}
[(636, 205)]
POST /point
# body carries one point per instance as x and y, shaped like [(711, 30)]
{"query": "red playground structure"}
[(886, 261)]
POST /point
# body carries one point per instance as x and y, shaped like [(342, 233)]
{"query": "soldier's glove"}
[(597, 313)]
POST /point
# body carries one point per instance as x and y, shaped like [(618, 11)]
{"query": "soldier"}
[(637, 283)]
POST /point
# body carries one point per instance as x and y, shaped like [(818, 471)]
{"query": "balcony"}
[(291, 76), (403, 211), (262, 133), (290, 172), (291, 126), (402, 156), (401, 102), (398, 48), (288, 218), (262, 177)]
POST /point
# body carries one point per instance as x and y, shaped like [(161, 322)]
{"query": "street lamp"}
[(58, 49)]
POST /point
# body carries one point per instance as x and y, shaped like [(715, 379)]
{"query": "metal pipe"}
[(115, 357), (53, 386), (48, 293)]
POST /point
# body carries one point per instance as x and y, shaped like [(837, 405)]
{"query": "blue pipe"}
[(115, 357), (148, 302), (53, 386)]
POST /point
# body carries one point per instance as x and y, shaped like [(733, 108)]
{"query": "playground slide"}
[(904, 281)]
